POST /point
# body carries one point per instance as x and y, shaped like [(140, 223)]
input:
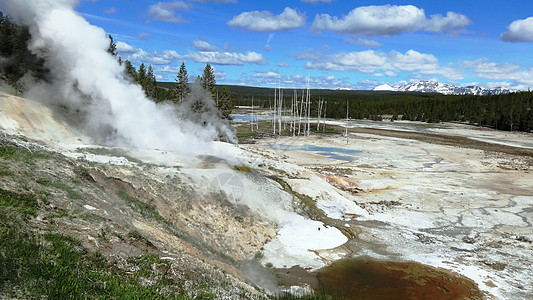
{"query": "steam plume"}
[(87, 78)]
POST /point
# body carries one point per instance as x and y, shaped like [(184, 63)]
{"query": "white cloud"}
[(204, 46), (272, 74), (383, 64), (282, 64), (265, 21), (297, 81), (226, 58), (362, 42), (167, 70), (519, 31), (484, 68), (388, 20), (453, 23), (156, 57), (364, 62), (413, 60), (124, 48), (385, 74), (205, 53), (166, 11), (220, 75), (110, 10)]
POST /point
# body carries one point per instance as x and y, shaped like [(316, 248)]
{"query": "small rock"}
[(88, 207), (469, 240)]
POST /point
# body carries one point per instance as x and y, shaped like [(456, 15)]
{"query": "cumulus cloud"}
[(283, 64), (453, 23), (388, 20), (205, 53), (486, 69), (208, 53), (386, 74), (265, 21), (413, 60), (364, 62), (204, 46), (226, 58), (271, 74), (156, 57), (519, 31), (519, 77), (124, 48), (274, 78), (220, 75), (166, 11), (362, 42), (383, 64)]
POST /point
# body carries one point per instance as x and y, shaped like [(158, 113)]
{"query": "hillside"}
[(149, 223)]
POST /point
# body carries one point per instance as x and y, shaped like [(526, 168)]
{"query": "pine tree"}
[(141, 75), (131, 72), (150, 84), (112, 49), (208, 80), (223, 100), (225, 103), (181, 87)]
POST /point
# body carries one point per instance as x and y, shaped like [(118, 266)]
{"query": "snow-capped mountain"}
[(442, 88)]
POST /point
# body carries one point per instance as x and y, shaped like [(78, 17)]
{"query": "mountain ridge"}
[(427, 86)]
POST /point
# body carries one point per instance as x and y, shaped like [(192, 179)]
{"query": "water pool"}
[(331, 152)]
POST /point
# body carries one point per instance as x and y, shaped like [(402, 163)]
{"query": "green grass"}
[(328, 130), (244, 135), (61, 186), (135, 235), (146, 210), (26, 204), (9, 152), (5, 173), (56, 267)]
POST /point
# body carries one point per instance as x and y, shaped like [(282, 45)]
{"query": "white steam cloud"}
[(88, 79)]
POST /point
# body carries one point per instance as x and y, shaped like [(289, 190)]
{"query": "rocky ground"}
[(445, 196), (124, 207), (452, 196)]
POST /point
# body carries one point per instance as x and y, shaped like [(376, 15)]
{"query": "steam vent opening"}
[(366, 278)]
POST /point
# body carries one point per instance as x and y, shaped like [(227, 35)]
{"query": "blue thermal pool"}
[(331, 152)]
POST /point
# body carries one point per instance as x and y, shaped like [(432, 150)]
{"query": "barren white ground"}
[(460, 209)]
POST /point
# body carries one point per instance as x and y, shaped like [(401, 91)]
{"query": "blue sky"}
[(337, 44)]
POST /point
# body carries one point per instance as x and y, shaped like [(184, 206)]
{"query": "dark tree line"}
[(15, 58), (510, 112)]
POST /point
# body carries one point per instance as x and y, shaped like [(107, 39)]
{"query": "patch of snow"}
[(384, 87)]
